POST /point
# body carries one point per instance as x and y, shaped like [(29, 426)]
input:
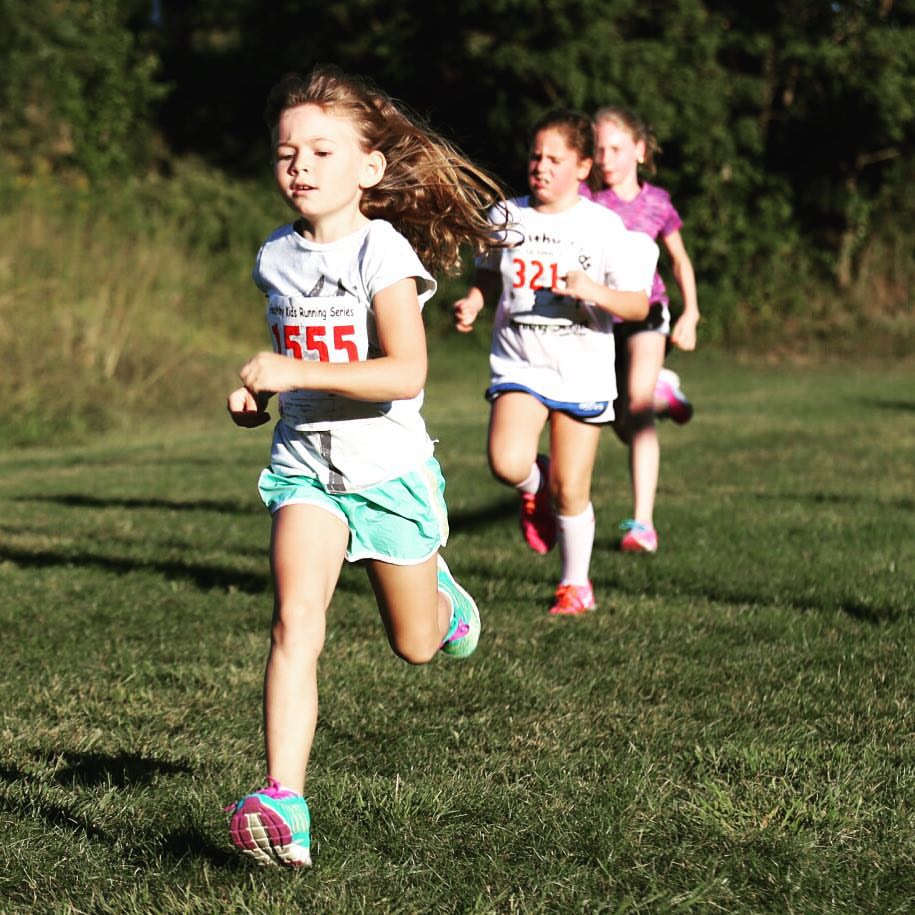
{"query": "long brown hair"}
[(431, 192)]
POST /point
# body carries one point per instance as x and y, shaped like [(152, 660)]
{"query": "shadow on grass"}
[(177, 845), (459, 521), (719, 594), (203, 577), (81, 501), (123, 770), (472, 519), (902, 406)]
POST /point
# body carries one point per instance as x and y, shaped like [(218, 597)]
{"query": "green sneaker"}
[(464, 633), (273, 826)]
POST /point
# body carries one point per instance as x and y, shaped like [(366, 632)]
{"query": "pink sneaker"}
[(573, 599), (272, 826), (668, 389), (639, 538), (538, 523)]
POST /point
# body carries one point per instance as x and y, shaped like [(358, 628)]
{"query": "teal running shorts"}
[(403, 521)]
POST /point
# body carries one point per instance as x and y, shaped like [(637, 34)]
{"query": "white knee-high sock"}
[(575, 535), (533, 482)]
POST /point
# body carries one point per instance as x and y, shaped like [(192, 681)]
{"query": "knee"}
[(509, 468), (298, 629), (570, 499), (414, 651), (641, 416)]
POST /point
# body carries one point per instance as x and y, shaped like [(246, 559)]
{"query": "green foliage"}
[(141, 301), (780, 125), (787, 131), (77, 87)]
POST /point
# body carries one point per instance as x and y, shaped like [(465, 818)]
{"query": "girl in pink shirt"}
[(623, 144)]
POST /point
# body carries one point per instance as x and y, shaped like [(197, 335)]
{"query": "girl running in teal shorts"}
[(378, 199)]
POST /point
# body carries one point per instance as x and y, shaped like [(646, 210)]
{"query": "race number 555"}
[(317, 339)]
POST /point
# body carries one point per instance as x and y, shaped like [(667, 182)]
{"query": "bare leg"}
[(573, 449), (415, 614), (646, 355), (515, 424), (307, 551)]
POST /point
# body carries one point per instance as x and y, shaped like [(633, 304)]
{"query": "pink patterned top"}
[(650, 212)]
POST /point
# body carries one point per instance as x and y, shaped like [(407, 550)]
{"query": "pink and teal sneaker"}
[(273, 826), (464, 632), (639, 537)]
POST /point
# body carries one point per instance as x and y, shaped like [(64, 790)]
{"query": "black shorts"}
[(658, 320)]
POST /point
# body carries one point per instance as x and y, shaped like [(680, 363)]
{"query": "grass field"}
[(733, 730)]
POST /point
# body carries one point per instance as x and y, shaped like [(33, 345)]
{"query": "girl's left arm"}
[(398, 374), (684, 331)]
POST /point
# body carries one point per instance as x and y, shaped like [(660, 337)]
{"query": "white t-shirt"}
[(555, 345), (319, 306)]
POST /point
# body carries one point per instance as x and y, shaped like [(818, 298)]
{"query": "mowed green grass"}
[(732, 730)]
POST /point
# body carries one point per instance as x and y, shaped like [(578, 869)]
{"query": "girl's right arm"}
[(247, 409), (487, 284)]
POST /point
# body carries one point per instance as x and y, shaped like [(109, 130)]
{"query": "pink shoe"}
[(272, 826), (573, 599), (538, 523), (639, 538), (668, 389)]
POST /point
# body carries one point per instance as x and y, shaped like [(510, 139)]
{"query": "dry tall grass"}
[(110, 313)]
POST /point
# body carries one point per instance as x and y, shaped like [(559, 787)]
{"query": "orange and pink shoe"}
[(639, 537), (538, 522), (573, 599)]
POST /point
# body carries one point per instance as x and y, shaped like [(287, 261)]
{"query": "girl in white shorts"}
[(568, 266)]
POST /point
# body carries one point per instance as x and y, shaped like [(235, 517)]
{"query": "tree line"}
[(786, 128)]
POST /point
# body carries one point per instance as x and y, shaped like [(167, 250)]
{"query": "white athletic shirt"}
[(319, 306), (555, 345)]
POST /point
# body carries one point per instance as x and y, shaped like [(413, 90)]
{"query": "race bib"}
[(531, 299), (324, 329)]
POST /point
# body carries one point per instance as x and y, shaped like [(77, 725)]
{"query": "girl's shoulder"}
[(386, 255), (383, 239), (380, 232), (381, 228), (593, 211), (282, 233), (653, 193)]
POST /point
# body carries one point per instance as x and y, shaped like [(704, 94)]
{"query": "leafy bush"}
[(77, 87)]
